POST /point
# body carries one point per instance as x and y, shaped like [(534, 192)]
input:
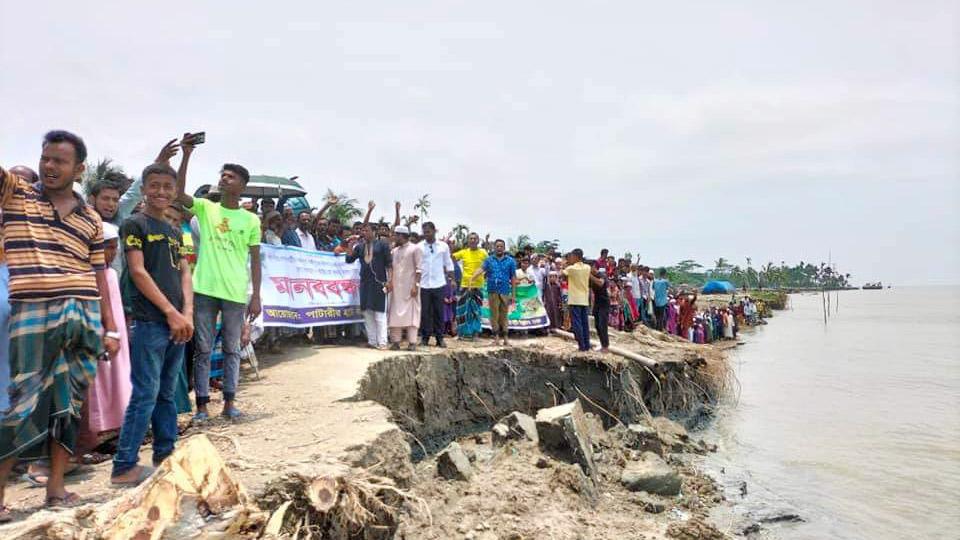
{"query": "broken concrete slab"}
[(651, 474), (564, 434), (650, 503), (673, 436), (500, 433), (639, 437), (453, 464), (518, 426)]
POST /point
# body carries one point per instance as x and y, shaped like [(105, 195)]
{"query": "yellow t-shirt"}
[(472, 260), (578, 284)]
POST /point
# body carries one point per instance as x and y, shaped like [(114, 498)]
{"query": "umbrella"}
[(261, 186), (273, 186)]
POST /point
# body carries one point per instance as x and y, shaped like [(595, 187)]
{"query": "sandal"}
[(67, 501), (34, 478), (94, 458), (232, 414), (6, 515), (145, 472)]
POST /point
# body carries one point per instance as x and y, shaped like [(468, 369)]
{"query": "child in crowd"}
[(553, 301), (107, 397), (450, 308), (162, 322)]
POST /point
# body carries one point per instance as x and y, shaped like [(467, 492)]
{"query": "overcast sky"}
[(771, 130)]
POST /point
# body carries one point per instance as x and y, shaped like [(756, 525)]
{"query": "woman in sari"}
[(616, 301)]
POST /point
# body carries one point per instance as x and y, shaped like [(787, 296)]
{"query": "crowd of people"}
[(122, 301)]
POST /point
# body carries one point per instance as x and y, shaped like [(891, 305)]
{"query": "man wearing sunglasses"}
[(437, 269)]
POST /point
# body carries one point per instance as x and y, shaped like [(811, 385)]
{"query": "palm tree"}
[(460, 233), (422, 206), (519, 242), (346, 208), (97, 173), (544, 246)]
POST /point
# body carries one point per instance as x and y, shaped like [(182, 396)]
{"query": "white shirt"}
[(306, 240), (538, 275), (272, 238), (436, 263), (635, 283)]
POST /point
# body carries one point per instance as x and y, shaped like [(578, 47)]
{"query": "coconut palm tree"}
[(460, 233), (422, 206), (346, 208), (544, 246), (518, 243), (97, 173)]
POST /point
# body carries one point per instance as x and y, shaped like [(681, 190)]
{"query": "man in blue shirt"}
[(660, 287), (501, 273)]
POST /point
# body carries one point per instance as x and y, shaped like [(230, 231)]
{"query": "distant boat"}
[(872, 286)]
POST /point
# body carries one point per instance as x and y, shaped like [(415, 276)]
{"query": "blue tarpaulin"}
[(718, 287)]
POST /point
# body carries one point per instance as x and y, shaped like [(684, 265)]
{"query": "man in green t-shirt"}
[(228, 234)]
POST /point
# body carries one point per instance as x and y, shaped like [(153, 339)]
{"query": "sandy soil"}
[(301, 412), (517, 493)]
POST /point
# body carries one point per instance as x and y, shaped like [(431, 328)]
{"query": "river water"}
[(853, 425)]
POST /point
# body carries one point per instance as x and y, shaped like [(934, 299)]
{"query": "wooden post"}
[(823, 297)]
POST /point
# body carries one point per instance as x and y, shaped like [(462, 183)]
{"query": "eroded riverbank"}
[(306, 421)]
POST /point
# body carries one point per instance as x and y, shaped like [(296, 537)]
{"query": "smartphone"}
[(199, 138)]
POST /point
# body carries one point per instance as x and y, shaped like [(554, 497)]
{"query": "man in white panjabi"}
[(404, 316)]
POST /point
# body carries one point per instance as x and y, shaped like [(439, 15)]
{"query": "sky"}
[(779, 131)]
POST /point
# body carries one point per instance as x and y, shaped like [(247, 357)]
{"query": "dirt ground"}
[(301, 412)]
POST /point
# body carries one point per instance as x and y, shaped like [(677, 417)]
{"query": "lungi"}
[(54, 347)]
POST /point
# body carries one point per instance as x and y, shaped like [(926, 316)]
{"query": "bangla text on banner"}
[(303, 288)]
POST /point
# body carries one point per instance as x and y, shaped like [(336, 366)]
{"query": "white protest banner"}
[(302, 288)]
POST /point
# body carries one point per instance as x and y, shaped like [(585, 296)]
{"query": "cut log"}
[(192, 484), (195, 469), (323, 493)]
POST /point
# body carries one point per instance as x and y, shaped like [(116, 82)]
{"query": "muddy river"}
[(854, 426)]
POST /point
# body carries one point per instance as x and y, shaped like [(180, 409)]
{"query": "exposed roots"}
[(355, 506)]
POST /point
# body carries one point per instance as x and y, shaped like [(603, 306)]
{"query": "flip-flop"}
[(34, 478), (94, 458), (145, 472), (67, 501), (6, 515), (233, 414), (200, 417)]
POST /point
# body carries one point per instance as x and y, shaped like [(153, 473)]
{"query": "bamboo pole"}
[(630, 355), (823, 297)]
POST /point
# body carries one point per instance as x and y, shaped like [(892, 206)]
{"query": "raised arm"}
[(396, 220), (130, 197), (370, 206), (186, 143), (331, 200)]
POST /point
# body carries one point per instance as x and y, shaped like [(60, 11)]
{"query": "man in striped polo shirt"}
[(60, 307)]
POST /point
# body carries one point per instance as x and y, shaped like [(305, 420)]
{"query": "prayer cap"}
[(110, 232)]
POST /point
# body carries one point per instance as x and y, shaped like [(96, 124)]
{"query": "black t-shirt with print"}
[(160, 244)]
